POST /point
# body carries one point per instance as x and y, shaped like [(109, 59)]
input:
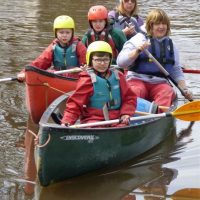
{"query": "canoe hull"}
[(42, 87), (73, 152)]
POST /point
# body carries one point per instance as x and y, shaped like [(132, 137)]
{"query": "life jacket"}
[(106, 91), (103, 36), (163, 52), (65, 57)]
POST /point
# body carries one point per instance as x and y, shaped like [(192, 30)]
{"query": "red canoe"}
[(42, 87)]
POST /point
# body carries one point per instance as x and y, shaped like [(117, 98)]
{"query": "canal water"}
[(171, 167)]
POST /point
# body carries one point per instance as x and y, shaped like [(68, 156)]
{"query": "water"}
[(26, 29)]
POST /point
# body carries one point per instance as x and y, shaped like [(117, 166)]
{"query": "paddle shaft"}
[(151, 116), (8, 79), (73, 70)]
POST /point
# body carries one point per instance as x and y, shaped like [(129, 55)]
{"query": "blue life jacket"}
[(162, 51), (106, 91), (65, 57)]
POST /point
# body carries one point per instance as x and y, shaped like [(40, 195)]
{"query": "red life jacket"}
[(103, 36)]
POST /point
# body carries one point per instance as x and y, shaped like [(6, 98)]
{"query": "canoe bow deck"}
[(73, 152), (42, 87)]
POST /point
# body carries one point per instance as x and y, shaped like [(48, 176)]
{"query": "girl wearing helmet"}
[(100, 30), (99, 88), (125, 17), (65, 51)]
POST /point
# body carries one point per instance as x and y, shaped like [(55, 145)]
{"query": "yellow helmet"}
[(97, 46), (63, 21)]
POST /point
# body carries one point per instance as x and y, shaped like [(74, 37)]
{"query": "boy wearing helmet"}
[(100, 30), (100, 87), (65, 52)]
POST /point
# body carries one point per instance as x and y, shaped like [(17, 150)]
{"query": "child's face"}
[(98, 25), (64, 35), (101, 64)]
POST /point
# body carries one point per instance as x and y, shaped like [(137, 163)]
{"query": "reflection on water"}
[(26, 29)]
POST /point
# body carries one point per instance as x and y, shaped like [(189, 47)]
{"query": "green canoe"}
[(71, 152)]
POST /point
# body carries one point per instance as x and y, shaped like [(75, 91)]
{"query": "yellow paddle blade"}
[(187, 193), (188, 112)]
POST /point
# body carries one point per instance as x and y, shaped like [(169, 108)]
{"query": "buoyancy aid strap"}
[(116, 72), (171, 47), (162, 52), (92, 75), (74, 45), (54, 46)]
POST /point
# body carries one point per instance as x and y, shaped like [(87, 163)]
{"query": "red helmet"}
[(97, 13)]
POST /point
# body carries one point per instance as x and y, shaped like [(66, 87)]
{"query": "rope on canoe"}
[(37, 139), (46, 91), (47, 85)]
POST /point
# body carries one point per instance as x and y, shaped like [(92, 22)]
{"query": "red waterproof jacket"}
[(44, 61), (77, 103)]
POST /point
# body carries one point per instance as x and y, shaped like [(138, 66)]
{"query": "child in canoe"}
[(66, 51), (102, 93), (101, 30)]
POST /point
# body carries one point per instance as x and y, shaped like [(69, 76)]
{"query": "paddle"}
[(192, 71), (187, 112), (183, 194)]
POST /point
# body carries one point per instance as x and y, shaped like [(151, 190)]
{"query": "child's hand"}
[(65, 124), (21, 77), (84, 67), (125, 119)]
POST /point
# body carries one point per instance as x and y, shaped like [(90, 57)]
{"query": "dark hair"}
[(99, 54)]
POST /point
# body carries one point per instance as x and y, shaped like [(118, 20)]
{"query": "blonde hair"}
[(122, 11), (157, 16)]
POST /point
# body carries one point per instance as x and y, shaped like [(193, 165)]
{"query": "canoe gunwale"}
[(47, 114), (47, 73)]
